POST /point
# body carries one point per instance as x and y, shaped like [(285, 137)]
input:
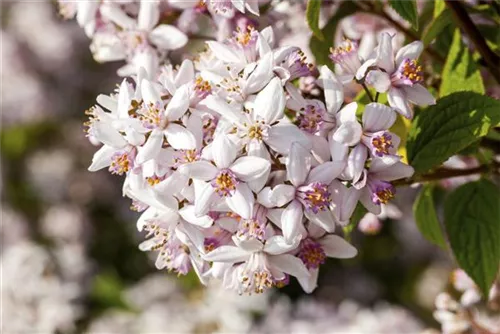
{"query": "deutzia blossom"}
[(401, 76)]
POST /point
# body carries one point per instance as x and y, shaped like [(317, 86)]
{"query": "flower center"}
[(297, 64), (315, 196), (252, 229), (209, 126), (244, 37), (210, 244), (311, 253), (382, 192), (382, 144), (256, 132), (149, 115), (412, 71), (310, 119), (202, 87), (153, 180), (346, 55), (225, 183), (121, 162)]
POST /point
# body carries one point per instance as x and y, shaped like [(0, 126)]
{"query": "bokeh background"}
[(70, 261)]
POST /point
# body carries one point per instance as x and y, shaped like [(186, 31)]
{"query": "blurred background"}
[(70, 261)]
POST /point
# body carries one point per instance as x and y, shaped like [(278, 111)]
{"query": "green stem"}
[(368, 93)]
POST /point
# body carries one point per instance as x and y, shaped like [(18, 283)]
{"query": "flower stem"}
[(447, 173), (368, 93), (464, 21)]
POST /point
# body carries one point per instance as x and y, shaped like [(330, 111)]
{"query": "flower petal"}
[(261, 75), (178, 105), (149, 15), (344, 200), (179, 137), (349, 133), (151, 147), (323, 219), (204, 200), (149, 92), (398, 100), (333, 88), (309, 284), (356, 162), (282, 135), (366, 199), (102, 158), (298, 164), (200, 170), (229, 254), (250, 168), (241, 201), (218, 105), (277, 244), (410, 51), (224, 151), (396, 171), (385, 54), (168, 37), (378, 117), (381, 81), (185, 73), (224, 52), (326, 172), (419, 95), (282, 194), (270, 102), (291, 221), (336, 247), (290, 265)]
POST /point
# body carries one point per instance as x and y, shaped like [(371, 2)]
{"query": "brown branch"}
[(463, 20), (445, 173)]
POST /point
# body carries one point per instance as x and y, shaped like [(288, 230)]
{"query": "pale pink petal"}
[(229, 254), (291, 221), (102, 158), (419, 95), (116, 15), (396, 171), (309, 284), (270, 102), (179, 137), (356, 162), (398, 100), (277, 244), (333, 88), (261, 75), (381, 81), (145, 216), (200, 170), (336, 247), (282, 135), (326, 172), (149, 15), (349, 133), (185, 73), (151, 148), (338, 151), (282, 194), (378, 117), (241, 201), (149, 92), (364, 67), (366, 199), (86, 11), (264, 198), (249, 245), (224, 151), (218, 105), (298, 164), (410, 51), (224, 52), (250, 168), (344, 200), (178, 105), (274, 216), (168, 37), (204, 200), (107, 135), (289, 264), (257, 148), (323, 219), (385, 55)]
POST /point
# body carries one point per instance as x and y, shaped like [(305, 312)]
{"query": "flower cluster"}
[(239, 174)]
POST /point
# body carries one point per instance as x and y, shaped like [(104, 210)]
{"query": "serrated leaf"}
[(312, 14), (437, 25), (448, 127), (460, 71), (407, 9), (472, 221), (321, 49), (426, 217)]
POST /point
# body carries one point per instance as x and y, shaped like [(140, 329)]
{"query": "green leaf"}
[(312, 14), (448, 127), (472, 221), (437, 25), (426, 217), (439, 7), (359, 212), (321, 48), (407, 9), (460, 71)]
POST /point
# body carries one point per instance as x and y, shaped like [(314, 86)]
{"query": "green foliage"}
[(312, 14), (460, 70), (426, 217), (448, 127), (407, 9), (436, 27), (321, 48), (106, 291), (472, 221)]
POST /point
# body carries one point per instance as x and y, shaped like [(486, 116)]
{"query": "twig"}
[(368, 93), (491, 59), (445, 173)]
